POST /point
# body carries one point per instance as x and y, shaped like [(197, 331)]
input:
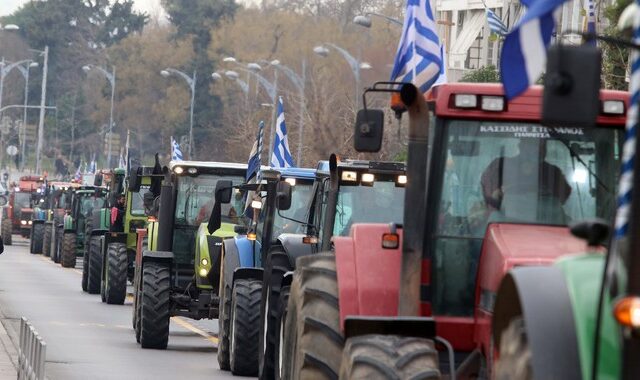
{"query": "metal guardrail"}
[(32, 353)]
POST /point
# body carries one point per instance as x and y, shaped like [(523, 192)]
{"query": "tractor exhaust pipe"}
[(332, 201), (414, 200), (165, 218)]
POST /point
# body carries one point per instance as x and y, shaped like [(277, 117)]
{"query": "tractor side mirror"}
[(572, 86), (283, 196), (222, 195), (368, 132), (135, 179), (594, 231), (97, 180)]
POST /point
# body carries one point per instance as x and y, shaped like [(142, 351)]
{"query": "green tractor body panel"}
[(104, 221), (135, 217), (583, 275), (203, 246), (152, 236), (68, 222)]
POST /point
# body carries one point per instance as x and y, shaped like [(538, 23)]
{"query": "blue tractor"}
[(276, 208)]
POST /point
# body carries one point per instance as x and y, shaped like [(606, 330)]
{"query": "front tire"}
[(515, 355), (279, 333), (244, 337), (115, 282), (277, 265), (58, 251), (313, 338), (68, 255), (154, 317), (224, 322), (7, 230), (37, 236), (382, 357), (46, 240), (95, 265)]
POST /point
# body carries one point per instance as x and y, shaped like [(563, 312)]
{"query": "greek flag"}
[(78, 175), (418, 59), (92, 166), (495, 23), (628, 150), (524, 51), (255, 157), (176, 153), (281, 157)]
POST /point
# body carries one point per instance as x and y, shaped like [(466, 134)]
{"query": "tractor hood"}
[(509, 245)]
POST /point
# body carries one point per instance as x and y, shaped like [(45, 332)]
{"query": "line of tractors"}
[(466, 261)]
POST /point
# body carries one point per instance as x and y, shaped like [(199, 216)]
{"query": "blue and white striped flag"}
[(418, 59), (524, 51), (281, 157), (629, 147), (78, 175), (591, 20), (176, 153), (255, 157), (495, 23), (92, 166)]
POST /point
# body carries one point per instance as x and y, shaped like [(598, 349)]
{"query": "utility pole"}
[(43, 97)]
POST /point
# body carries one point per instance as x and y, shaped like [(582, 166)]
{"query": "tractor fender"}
[(368, 275), (247, 274), (540, 295), (294, 247), (162, 256), (238, 252)]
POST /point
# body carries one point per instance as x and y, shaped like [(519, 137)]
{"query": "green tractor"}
[(72, 233), (118, 246), (177, 274), (56, 198)]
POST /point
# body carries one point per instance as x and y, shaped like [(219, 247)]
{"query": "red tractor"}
[(16, 217), (488, 189)]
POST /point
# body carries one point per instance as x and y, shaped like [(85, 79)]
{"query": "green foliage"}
[(486, 74), (614, 58)]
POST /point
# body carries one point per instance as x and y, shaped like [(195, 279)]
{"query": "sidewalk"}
[(8, 356)]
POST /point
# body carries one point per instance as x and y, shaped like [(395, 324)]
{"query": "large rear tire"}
[(515, 355), (46, 240), (37, 237), (313, 338), (277, 265), (389, 357), (58, 252), (7, 231), (244, 336), (95, 265), (280, 329), (115, 281), (137, 306), (154, 317), (68, 255)]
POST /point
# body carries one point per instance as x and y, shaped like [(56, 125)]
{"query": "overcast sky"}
[(149, 6)]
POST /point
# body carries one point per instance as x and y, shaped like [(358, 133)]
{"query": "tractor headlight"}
[(291, 181), (203, 272), (178, 170), (23, 222), (204, 262), (192, 171), (30, 222)]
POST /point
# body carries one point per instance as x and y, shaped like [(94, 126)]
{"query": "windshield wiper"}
[(574, 154)]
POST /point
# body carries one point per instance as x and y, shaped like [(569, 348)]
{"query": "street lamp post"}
[(365, 20), (354, 63), (191, 81), (111, 77), (25, 73), (43, 97), (299, 81)]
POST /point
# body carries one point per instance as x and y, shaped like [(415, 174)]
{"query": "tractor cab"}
[(48, 204), (354, 191), (21, 202)]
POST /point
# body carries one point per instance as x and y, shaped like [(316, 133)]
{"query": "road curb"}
[(8, 350)]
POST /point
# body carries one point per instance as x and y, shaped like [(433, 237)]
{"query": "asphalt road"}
[(88, 339)]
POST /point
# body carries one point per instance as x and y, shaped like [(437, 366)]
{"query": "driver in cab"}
[(524, 173)]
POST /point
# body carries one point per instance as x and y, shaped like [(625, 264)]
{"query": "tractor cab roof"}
[(299, 173), (194, 168), (383, 167), (482, 101)]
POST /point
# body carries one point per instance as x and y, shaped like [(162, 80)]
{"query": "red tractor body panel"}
[(369, 275), (369, 281), (506, 246)]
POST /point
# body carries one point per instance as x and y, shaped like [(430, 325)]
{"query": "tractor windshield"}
[(22, 200), (512, 172), (380, 202), (195, 200), (137, 200), (300, 196)]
